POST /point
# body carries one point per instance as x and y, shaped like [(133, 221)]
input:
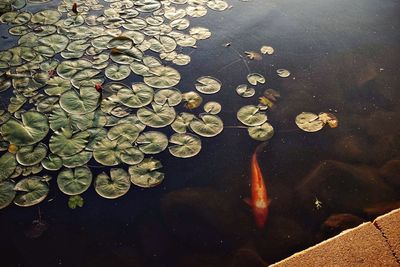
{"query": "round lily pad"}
[(152, 142), (182, 121), (86, 101), (74, 182), (157, 117), (30, 191), (46, 17), (251, 116), (139, 96), (309, 122), (113, 186), (283, 73), (33, 128), (193, 100), (163, 77), (56, 42), (124, 132), (261, 132), (64, 143), (255, 78), (30, 155), (108, 152), (171, 96), (52, 162), (7, 193), (207, 125), (185, 145), (145, 174), (77, 160), (212, 107), (208, 85), (8, 164), (245, 91), (117, 72)]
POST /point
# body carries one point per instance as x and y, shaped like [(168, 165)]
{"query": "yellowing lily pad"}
[(157, 117), (245, 91), (212, 107)]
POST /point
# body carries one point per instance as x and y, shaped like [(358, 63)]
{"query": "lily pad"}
[(75, 201), (283, 73), (152, 142), (157, 117), (193, 100), (46, 17), (77, 160), (52, 162), (113, 186), (163, 77), (124, 132), (251, 116), (309, 122), (74, 182), (185, 145), (7, 193), (56, 42), (145, 174), (139, 96), (33, 128), (255, 78), (207, 125), (30, 155), (111, 152), (117, 72), (208, 85), (261, 132), (245, 91), (86, 101), (182, 121), (30, 191), (267, 50), (8, 164), (171, 96), (212, 107), (64, 143)]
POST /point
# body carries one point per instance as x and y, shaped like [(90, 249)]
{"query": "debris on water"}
[(227, 44), (317, 203), (252, 55)]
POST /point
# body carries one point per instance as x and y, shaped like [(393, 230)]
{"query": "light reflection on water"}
[(344, 56)]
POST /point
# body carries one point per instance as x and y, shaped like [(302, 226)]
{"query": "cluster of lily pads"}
[(72, 105), (310, 122)]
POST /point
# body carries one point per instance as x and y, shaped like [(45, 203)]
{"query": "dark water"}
[(344, 57)]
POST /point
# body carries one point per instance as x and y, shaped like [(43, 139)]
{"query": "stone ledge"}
[(364, 245)]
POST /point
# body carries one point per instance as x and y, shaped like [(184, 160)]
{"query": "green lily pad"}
[(152, 142), (113, 186), (124, 132), (182, 121), (64, 143), (207, 125), (16, 102), (261, 132), (57, 42), (46, 17), (208, 85), (185, 145), (255, 78), (200, 33), (145, 174), (68, 68), (163, 77), (283, 73), (171, 96), (84, 77), (109, 152), (251, 116), (8, 164), (157, 117), (74, 182), (30, 191), (86, 101), (75, 201), (57, 86), (52, 162), (196, 11), (309, 122), (139, 96), (60, 119), (117, 72), (30, 155), (217, 5), (33, 128), (77, 160), (96, 135), (245, 91), (212, 107), (147, 5), (7, 193), (162, 43)]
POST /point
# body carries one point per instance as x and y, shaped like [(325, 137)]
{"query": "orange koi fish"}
[(259, 199)]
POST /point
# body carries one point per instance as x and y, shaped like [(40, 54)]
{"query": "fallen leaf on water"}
[(253, 55)]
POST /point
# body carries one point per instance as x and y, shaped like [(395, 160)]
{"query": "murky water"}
[(344, 58)]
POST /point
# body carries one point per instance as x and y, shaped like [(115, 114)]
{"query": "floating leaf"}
[(170, 96), (77, 160), (117, 72), (75, 201), (113, 186), (46, 17), (7, 193), (261, 132), (147, 5), (52, 162), (217, 5), (184, 145), (57, 42), (207, 125), (74, 182), (267, 50), (212, 107), (145, 174), (181, 122), (110, 152), (8, 164), (193, 100), (309, 122), (255, 78), (33, 128), (65, 143), (139, 96), (157, 117), (30, 155), (329, 118), (200, 33), (163, 77), (283, 73), (86, 101), (124, 132), (252, 55), (251, 116), (16, 102), (245, 91), (152, 142), (30, 191), (208, 85)]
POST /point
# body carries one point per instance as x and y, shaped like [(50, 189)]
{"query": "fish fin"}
[(248, 201)]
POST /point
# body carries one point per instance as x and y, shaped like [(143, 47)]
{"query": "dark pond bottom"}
[(344, 57)]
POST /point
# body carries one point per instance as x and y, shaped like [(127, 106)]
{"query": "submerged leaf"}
[(152, 142)]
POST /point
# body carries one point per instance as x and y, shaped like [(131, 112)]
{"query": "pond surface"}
[(343, 57)]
